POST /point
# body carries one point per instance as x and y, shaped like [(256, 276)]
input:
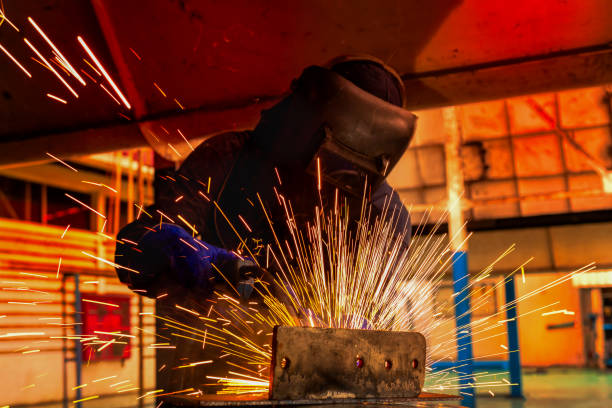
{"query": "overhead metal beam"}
[(63, 178), (579, 68), (194, 124), (72, 143), (584, 67)]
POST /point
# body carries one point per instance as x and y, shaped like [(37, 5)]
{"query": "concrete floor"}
[(118, 401), (555, 388), (547, 388)]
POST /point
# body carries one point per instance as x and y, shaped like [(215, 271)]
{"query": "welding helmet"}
[(343, 122)]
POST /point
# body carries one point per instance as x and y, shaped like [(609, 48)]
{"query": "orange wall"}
[(539, 346), (543, 347)]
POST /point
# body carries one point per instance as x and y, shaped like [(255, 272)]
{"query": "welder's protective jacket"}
[(214, 204), (228, 170), (185, 255)]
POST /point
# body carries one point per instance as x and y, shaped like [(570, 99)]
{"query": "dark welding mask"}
[(329, 125)]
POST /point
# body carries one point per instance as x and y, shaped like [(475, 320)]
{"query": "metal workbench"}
[(424, 400)]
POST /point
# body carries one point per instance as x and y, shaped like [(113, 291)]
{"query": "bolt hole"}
[(359, 362), (285, 363), (388, 364), (415, 363)]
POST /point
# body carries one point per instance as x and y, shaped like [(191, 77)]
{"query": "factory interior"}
[(505, 170)]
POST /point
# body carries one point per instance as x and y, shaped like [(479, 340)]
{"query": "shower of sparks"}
[(174, 150), (4, 18), (85, 205), (99, 303), (114, 265), (60, 56), (195, 364), (244, 223), (57, 99), (48, 65), (114, 334), (100, 185), (179, 104), (62, 162), (89, 76), (185, 139), (330, 276), (6, 335), (86, 399), (241, 385), (135, 54), (8, 54), (104, 73), (106, 345), (110, 94), (554, 312), (191, 227), (159, 89), (92, 67), (187, 310), (59, 265)]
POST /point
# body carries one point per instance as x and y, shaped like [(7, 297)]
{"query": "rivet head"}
[(415, 363), (359, 362), (388, 364), (284, 363)]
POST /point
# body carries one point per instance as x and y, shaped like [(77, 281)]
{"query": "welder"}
[(340, 128)]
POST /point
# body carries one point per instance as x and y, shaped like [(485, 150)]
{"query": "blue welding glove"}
[(167, 255)]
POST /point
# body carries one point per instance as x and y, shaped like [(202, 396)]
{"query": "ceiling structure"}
[(204, 67), (525, 156)]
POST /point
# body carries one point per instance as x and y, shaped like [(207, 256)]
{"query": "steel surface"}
[(422, 400), (316, 363)]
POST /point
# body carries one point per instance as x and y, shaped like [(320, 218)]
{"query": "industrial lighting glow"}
[(593, 279), (606, 181)]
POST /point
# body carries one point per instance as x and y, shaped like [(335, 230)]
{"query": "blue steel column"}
[(463, 316), (457, 236), (78, 352), (516, 390)]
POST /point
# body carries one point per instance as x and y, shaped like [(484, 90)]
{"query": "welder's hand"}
[(243, 273)]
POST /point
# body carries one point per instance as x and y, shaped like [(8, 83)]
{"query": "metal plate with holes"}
[(315, 363)]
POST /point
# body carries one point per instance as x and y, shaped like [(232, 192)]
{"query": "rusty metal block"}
[(315, 363)]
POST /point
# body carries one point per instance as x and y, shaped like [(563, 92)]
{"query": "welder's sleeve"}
[(385, 195), (166, 257)]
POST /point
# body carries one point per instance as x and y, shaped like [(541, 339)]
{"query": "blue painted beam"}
[(516, 390), (465, 356)]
